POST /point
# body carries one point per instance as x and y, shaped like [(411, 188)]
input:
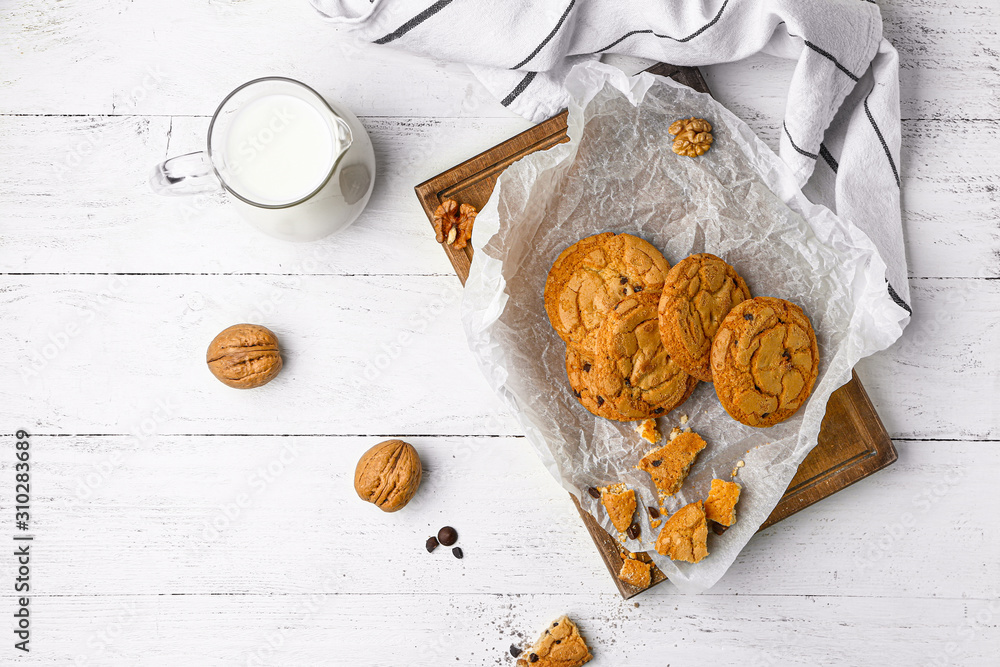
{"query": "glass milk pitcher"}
[(295, 165)]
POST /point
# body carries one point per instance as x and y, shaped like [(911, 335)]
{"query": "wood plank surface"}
[(899, 570)]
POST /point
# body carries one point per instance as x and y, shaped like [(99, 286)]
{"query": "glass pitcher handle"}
[(185, 175)]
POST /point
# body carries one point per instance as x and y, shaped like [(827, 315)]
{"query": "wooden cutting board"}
[(852, 444)]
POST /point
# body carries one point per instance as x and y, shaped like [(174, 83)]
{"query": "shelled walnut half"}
[(453, 223), (692, 136)]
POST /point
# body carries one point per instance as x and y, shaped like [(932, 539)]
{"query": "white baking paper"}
[(738, 201)]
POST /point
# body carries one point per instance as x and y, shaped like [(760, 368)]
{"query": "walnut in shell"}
[(388, 475), (244, 356), (453, 223), (692, 136)]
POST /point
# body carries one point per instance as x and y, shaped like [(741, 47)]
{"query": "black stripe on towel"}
[(548, 38), (828, 158), (676, 39), (792, 142), (878, 132), (828, 55), (414, 22), (519, 88), (895, 297)]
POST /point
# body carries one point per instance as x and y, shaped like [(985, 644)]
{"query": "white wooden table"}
[(179, 522)]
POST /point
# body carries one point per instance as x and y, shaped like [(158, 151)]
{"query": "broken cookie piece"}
[(649, 432), (684, 534), (635, 572), (720, 506), (669, 465), (559, 646), (619, 501)]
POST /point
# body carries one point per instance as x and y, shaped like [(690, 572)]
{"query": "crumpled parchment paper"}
[(738, 201)]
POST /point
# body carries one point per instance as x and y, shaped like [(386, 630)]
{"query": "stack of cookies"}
[(640, 335)]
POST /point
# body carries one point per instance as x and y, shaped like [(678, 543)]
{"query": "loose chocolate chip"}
[(457, 551), (432, 544), (586, 367), (594, 493), (515, 651), (658, 411), (653, 512), (623, 280), (637, 288), (657, 463), (532, 658), (633, 531), (600, 401), (447, 536), (748, 317)]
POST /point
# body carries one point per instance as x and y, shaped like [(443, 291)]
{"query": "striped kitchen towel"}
[(841, 130)]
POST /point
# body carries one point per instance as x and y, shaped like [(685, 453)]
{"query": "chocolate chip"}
[(718, 529), (559, 641), (764, 416), (658, 411), (748, 317), (457, 551), (447, 536), (637, 288), (586, 367), (432, 544), (532, 658), (577, 394), (653, 512), (623, 280), (600, 401), (633, 531), (628, 382), (515, 651), (556, 624), (594, 493), (657, 463)]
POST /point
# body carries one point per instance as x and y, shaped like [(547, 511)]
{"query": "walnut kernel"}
[(692, 136), (453, 223)]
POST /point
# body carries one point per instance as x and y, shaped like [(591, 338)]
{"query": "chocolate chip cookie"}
[(582, 382), (669, 465), (685, 534), (720, 506), (764, 361), (632, 370), (559, 646), (619, 501), (592, 275), (698, 293)]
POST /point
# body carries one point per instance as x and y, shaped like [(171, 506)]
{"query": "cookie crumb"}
[(684, 419), (649, 431)]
